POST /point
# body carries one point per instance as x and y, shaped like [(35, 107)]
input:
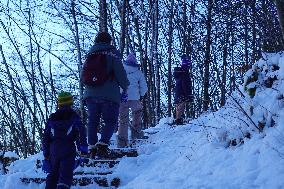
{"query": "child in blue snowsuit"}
[(63, 129)]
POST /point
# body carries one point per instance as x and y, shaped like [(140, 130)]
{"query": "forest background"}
[(43, 45)]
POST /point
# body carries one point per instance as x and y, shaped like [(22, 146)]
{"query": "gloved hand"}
[(46, 167), (124, 96), (83, 151), (80, 162)]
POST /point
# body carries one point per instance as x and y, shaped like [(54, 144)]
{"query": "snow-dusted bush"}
[(257, 105)]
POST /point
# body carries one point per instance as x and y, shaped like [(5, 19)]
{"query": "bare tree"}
[(103, 16), (206, 98), (280, 11), (17, 106), (79, 57), (170, 51), (123, 29), (156, 61)]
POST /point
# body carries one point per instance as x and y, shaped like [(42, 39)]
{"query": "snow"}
[(185, 157), (199, 155), (11, 155), (281, 70)]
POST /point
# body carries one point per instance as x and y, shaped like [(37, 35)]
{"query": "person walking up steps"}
[(63, 128), (103, 75), (183, 88), (136, 91)]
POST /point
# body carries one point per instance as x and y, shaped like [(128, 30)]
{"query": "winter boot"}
[(62, 186), (178, 121), (93, 152), (141, 135), (102, 150), (136, 134), (137, 137)]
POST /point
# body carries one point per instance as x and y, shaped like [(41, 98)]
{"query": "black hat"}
[(103, 37)]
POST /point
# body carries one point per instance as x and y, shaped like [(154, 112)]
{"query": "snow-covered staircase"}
[(93, 171)]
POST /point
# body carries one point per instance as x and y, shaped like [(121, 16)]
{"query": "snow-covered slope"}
[(241, 146), (190, 157), (224, 149)]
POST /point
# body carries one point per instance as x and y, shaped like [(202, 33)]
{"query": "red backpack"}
[(94, 71)]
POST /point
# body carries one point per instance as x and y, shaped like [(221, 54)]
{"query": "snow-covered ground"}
[(189, 157), (201, 154)]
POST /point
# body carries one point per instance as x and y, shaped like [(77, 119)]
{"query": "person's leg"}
[(94, 114), (52, 177), (136, 128), (179, 111), (110, 112), (122, 138), (66, 172)]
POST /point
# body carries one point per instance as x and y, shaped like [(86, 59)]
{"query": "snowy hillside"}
[(224, 149), (240, 146)]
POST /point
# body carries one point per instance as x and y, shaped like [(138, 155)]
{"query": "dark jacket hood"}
[(99, 47)]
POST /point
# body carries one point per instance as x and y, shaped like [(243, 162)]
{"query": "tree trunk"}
[(33, 75), (206, 99), (103, 15), (123, 27), (143, 62), (170, 59), (280, 11), (79, 58), (254, 33), (224, 71), (18, 110), (156, 61)]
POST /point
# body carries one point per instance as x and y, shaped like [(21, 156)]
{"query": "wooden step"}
[(101, 181), (100, 163), (96, 170), (151, 132), (92, 173), (121, 152), (114, 142), (81, 181), (32, 180), (110, 163), (116, 153)]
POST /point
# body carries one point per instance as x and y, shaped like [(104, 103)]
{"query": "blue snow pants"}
[(109, 111), (61, 175)]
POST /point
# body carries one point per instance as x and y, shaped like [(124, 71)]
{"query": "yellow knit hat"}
[(64, 98)]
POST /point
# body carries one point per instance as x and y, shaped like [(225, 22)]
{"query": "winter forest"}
[(43, 45)]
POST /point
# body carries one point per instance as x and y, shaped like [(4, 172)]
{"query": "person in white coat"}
[(136, 90)]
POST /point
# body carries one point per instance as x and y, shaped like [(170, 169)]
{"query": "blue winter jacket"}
[(183, 87), (63, 129)]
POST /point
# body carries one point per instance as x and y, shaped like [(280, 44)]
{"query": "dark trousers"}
[(61, 175), (109, 112)]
